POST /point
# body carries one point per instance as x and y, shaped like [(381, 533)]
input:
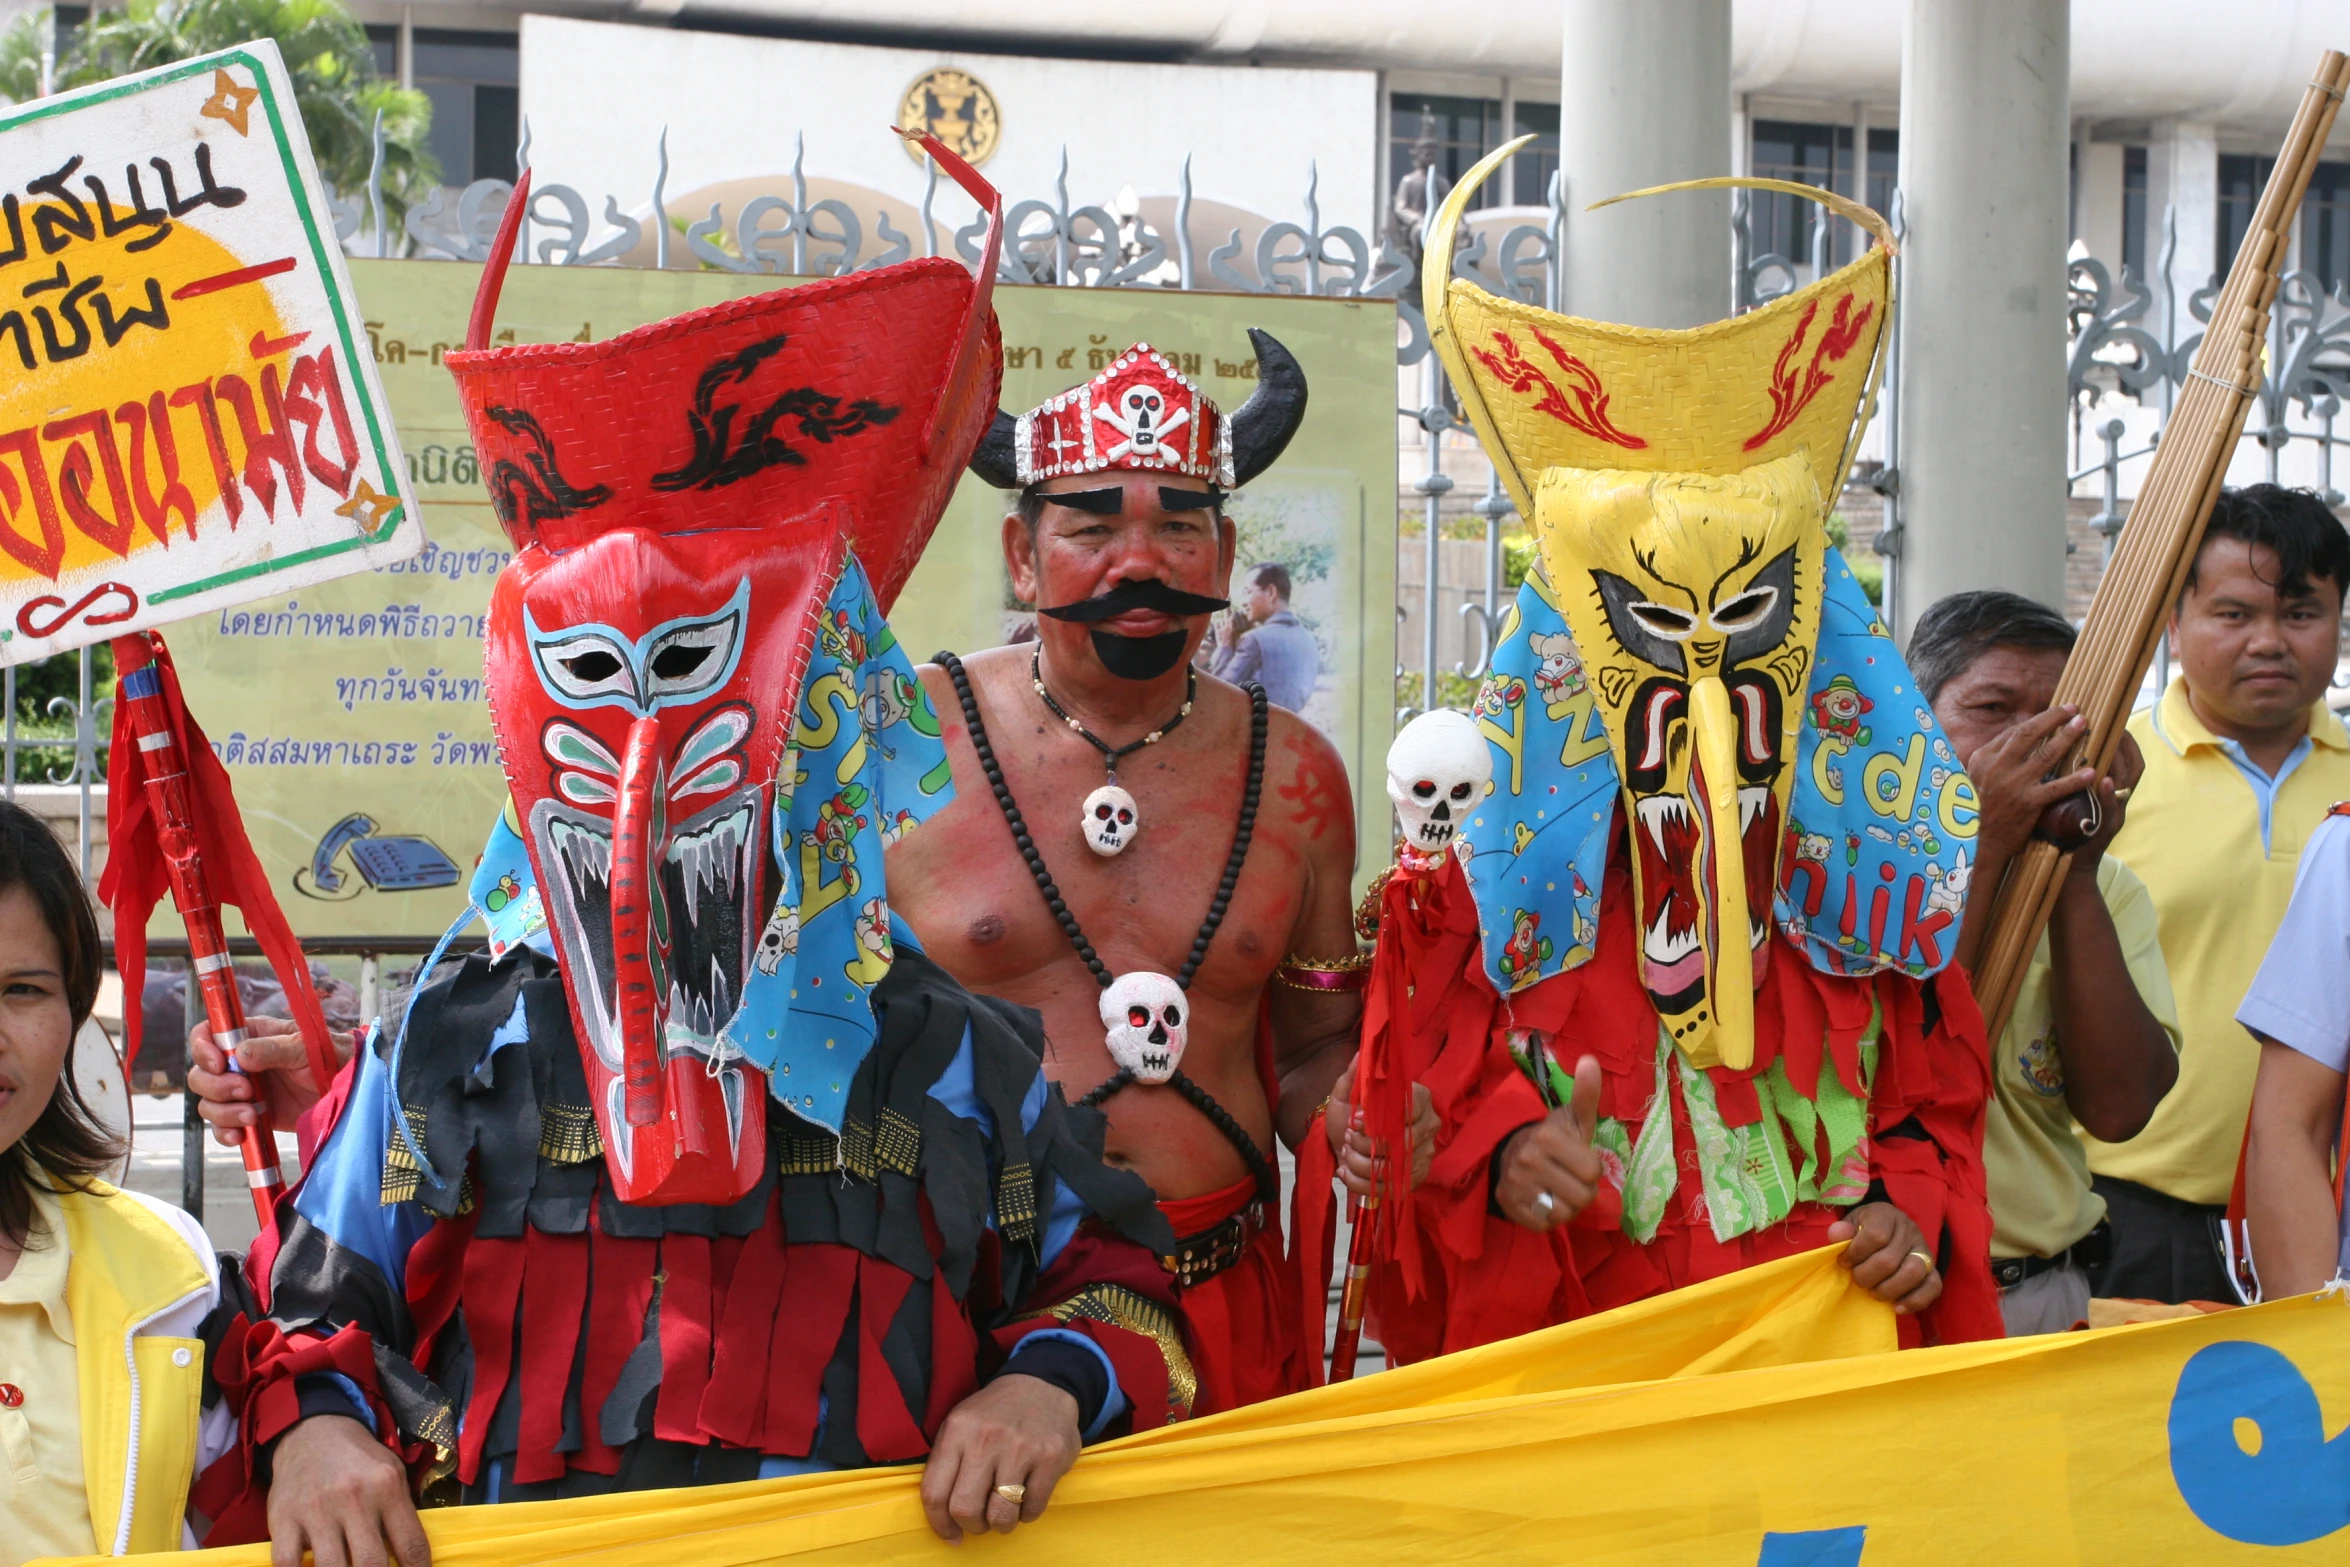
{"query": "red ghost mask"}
[(681, 500)]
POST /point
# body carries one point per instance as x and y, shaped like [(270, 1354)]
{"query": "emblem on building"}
[(954, 106)]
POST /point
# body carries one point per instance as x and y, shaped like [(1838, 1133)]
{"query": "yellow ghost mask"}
[(1677, 483), (1694, 601)]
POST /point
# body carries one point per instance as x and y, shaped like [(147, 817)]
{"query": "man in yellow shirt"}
[(2242, 760), (2094, 1032)]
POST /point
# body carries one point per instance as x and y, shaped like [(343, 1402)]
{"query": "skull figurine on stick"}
[(1436, 771), (1148, 1017)]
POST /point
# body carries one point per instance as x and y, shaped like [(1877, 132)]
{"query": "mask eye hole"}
[(1460, 791), (1746, 610), (1172, 1017), (1138, 1017), (1425, 789), (1125, 815), (1664, 621), (694, 658), (679, 660), (591, 668), (1101, 813), (583, 666)]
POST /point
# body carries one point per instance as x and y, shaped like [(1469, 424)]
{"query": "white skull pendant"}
[(1110, 823), (1149, 1018), (1436, 772)]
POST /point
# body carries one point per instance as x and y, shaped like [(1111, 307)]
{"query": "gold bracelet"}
[(1352, 972)]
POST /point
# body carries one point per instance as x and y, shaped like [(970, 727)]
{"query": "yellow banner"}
[(1757, 1421), (351, 717)]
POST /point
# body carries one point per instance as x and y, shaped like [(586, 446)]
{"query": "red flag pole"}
[(140, 701), (1362, 1217)]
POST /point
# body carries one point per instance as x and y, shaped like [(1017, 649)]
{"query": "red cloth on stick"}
[(137, 877)]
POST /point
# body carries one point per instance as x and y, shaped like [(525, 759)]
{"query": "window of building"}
[(1815, 155), (2241, 177), (2325, 225), (385, 41), (473, 80), (1531, 170), (2134, 211), (1463, 129)]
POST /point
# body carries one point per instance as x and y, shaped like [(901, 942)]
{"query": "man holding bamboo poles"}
[(2242, 760), (2093, 1035)]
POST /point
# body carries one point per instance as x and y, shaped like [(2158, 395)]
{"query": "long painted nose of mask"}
[(1730, 984), (640, 945), (690, 1123)]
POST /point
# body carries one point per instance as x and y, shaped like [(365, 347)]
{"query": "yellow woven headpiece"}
[(1546, 390)]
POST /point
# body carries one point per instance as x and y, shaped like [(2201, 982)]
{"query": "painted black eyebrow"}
[(1172, 499), (1102, 503)]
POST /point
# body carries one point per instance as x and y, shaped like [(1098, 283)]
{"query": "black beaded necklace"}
[(1267, 1179)]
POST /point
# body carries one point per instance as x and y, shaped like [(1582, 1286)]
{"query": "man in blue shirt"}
[(1276, 651)]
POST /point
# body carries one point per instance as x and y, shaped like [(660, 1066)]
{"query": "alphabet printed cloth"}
[(1878, 848)]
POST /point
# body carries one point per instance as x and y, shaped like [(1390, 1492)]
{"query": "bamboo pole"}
[(2152, 556)]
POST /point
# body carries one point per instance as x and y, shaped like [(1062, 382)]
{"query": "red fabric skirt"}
[(1242, 1325)]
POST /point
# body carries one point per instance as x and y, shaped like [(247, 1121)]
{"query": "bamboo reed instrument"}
[(2165, 528)]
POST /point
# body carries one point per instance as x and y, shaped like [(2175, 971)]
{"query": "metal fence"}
[(2125, 341)]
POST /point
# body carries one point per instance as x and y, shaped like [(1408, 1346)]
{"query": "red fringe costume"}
[(1484, 1278)]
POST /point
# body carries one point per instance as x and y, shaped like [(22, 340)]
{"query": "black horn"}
[(998, 460), (1262, 427)]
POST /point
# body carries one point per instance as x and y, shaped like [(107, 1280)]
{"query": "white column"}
[(2182, 173), (1984, 141), (1644, 99)]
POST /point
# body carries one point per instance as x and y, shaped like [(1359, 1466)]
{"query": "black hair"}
[(1959, 629), (66, 1144), (1274, 575), (2295, 525)]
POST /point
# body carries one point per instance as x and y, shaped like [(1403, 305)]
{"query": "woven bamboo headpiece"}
[(1546, 390)]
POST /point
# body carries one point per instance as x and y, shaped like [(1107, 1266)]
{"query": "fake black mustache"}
[(1148, 593)]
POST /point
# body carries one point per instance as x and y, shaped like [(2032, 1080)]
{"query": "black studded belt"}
[(2090, 1253), (1198, 1258)]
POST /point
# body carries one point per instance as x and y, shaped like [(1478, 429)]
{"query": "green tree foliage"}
[(21, 44), (326, 53)]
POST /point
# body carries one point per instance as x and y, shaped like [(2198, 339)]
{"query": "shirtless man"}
[(1127, 557)]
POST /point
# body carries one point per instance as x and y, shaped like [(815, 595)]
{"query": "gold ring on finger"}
[(1922, 1257), (1012, 1492)]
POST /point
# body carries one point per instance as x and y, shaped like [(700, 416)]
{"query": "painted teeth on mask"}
[(1662, 811), (1750, 806), (708, 867), (1662, 944), (711, 859)]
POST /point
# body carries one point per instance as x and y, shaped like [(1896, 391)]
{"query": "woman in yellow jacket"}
[(103, 1292)]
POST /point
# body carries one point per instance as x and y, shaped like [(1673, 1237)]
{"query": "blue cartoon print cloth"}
[(1880, 830)]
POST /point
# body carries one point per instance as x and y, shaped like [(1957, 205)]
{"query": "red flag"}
[(137, 876)]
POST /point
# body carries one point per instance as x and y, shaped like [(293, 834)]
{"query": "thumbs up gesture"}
[(1550, 1169)]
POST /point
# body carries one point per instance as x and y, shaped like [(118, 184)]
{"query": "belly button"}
[(986, 930)]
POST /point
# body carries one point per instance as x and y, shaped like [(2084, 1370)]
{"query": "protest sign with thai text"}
[(189, 412)]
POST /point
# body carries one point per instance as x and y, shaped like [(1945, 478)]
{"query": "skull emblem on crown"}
[(1436, 771), (1148, 1018)]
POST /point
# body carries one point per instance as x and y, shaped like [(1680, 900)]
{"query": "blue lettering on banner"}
[(2248, 1448), (1813, 1548)]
